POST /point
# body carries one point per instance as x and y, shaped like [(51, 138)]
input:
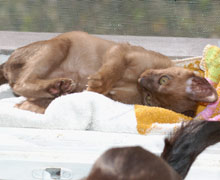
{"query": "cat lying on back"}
[(75, 61)]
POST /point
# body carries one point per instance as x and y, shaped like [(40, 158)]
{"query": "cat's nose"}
[(147, 83), (143, 82)]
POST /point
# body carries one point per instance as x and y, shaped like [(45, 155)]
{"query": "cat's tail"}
[(2, 77), (182, 148)]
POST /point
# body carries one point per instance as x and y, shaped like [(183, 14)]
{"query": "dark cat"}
[(182, 148), (180, 151), (131, 163)]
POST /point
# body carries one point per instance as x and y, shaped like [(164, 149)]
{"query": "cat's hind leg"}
[(43, 58), (37, 105)]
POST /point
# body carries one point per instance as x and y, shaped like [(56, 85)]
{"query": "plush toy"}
[(150, 117), (211, 65)]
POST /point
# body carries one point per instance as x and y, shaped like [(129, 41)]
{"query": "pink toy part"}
[(207, 113)]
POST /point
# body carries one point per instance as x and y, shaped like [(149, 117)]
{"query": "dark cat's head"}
[(175, 88)]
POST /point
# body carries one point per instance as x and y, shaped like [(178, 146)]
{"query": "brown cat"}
[(70, 62)]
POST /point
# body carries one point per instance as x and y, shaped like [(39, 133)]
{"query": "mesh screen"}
[(179, 18)]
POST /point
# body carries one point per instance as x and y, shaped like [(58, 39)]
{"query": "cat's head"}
[(175, 88)]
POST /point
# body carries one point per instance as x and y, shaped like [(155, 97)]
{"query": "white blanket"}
[(80, 111), (77, 111)]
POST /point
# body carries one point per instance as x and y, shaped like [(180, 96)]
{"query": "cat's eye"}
[(164, 80)]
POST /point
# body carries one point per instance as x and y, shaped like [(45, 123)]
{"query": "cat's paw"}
[(99, 84), (61, 87)]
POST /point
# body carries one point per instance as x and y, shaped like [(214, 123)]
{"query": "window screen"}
[(179, 18)]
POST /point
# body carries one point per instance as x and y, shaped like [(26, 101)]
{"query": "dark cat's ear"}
[(167, 148), (199, 89)]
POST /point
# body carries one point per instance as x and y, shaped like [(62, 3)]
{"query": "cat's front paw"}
[(99, 84)]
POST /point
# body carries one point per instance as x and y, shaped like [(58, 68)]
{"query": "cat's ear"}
[(199, 89)]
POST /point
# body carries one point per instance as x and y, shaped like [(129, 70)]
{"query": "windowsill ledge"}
[(170, 46)]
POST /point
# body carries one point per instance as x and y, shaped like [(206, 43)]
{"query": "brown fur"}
[(2, 77), (35, 105), (71, 61), (183, 147), (181, 92), (131, 163)]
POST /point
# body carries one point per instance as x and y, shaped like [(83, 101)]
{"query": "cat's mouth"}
[(189, 113)]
